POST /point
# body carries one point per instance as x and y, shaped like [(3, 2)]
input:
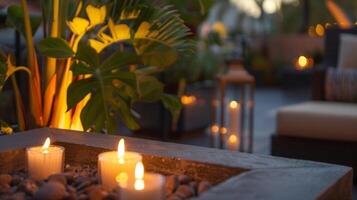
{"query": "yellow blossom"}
[(143, 30), (6, 130), (96, 15), (119, 31), (220, 28), (78, 25), (98, 46)]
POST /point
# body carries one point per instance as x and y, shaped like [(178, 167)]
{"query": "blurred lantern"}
[(188, 100), (303, 63), (320, 30)]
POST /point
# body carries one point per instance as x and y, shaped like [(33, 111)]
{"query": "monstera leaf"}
[(113, 89)]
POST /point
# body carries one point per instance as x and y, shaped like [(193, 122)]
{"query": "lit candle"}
[(147, 186), (114, 163), (233, 142), (234, 117), (43, 161)]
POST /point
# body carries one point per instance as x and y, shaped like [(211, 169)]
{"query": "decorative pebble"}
[(51, 191), (185, 191), (5, 179), (183, 179), (203, 186), (60, 178), (171, 184), (81, 183), (96, 192), (28, 186)]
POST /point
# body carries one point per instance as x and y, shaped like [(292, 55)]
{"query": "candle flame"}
[(233, 104), (121, 151), (139, 175), (46, 145)]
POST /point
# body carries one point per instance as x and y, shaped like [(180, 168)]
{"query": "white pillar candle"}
[(44, 161), (234, 117), (117, 164), (147, 186)]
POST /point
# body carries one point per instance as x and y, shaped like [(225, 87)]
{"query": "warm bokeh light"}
[(46, 145), (188, 100), (233, 104), (215, 128), (233, 139), (121, 150), (303, 63), (320, 30), (224, 130), (122, 179), (139, 176), (270, 6)]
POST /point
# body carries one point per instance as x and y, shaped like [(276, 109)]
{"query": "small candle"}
[(114, 163), (233, 142), (44, 161), (234, 111), (147, 186)]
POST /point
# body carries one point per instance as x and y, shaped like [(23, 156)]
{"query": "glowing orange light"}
[(233, 104), (302, 60), (187, 100), (122, 179), (303, 63), (121, 151), (214, 128), (320, 30), (233, 139), (224, 130), (46, 145), (139, 176)]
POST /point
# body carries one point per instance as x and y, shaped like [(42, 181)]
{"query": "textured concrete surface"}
[(251, 176)]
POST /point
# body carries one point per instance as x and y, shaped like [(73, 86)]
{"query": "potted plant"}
[(99, 60)]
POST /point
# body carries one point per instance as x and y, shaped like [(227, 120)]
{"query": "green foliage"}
[(15, 18), (55, 48), (113, 89), (3, 73)]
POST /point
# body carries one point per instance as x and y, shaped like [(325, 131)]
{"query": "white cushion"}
[(347, 53), (319, 120)]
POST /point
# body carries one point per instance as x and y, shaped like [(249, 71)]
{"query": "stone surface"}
[(51, 191), (250, 176)]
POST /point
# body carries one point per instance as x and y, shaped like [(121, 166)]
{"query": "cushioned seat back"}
[(332, 44)]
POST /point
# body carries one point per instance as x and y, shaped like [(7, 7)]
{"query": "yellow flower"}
[(78, 25), (220, 28), (96, 15), (119, 31), (98, 46), (6, 130), (143, 30)]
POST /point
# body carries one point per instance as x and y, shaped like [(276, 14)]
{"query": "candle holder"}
[(46, 160), (241, 79)]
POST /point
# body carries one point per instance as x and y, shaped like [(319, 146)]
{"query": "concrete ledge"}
[(236, 175)]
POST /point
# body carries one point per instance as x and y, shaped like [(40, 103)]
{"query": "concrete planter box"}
[(235, 175)]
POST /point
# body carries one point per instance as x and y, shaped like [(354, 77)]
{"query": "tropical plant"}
[(101, 58)]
